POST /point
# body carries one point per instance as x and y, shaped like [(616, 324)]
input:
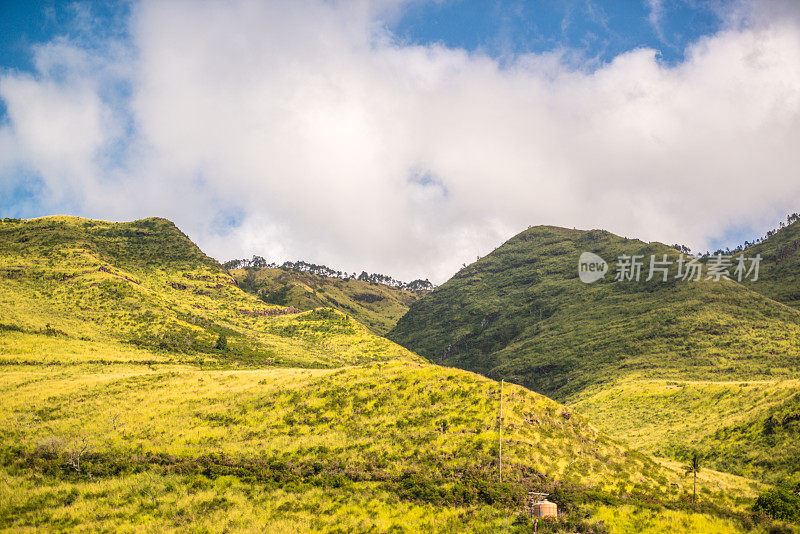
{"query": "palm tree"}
[(692, 468)]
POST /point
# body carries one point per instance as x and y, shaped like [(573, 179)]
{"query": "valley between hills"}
[(148, 388)]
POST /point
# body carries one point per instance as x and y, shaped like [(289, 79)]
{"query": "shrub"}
[(779, 503), (279, 297)]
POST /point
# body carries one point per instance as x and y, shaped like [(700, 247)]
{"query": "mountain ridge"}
[(533, 276)]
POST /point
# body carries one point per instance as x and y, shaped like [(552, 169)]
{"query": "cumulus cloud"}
[(303, 130)]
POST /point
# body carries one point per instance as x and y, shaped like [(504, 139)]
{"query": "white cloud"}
[(332, 143)]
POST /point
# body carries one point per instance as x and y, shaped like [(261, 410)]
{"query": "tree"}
[(250, 281), (692, 468), (222, 342), (779, 503), (77, 452), (258, 262)]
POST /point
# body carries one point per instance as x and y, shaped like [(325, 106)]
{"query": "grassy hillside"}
[(746, 428), (150, 395), (522, 313), (779, 273), (374, 305), (99, 290), (388, 445)]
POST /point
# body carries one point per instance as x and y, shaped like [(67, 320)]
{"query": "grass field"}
[(746, 428), (393, 443)]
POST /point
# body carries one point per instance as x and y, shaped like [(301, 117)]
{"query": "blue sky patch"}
[(600, 30)]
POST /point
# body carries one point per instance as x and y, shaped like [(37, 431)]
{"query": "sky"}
[(405, 137)]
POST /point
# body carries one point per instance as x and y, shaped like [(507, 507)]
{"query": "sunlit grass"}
[(726, 421), (632, 520)]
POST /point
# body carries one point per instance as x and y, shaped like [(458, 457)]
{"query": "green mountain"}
[(143, 390), (522, 313), (104, 289), (377, 306), (779, 271)]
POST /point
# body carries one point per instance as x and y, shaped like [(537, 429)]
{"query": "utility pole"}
[(501, 431)]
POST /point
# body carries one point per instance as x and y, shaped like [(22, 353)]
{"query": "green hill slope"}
[(746, 428), (522, 313), (123, 409), (779, 272), (374, 305), (743, 427), (106, 288)]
